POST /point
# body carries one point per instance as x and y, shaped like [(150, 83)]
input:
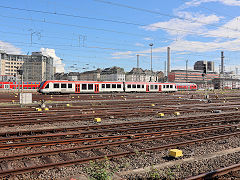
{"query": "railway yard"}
[(121, 135)]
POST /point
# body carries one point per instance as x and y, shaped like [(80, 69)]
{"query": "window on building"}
[(69, 85), (151, 87), (108, 86), (114, 86), (129, 86), (119, 86), (103, 86), (90, 86), (63, 85), (84, 86), (47, 86), (138, 86), (156, 86), (55, 85)]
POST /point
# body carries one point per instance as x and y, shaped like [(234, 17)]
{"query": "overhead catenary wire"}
[(162, 14), (107, 20)]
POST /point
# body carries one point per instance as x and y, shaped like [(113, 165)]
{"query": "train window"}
[(114, 86), (171, 86), (69, 85), (167, 86), (142, 86), (25, 87), (164, 86), (138, 86), (119, 86), (84, 86), (134, 86), (34, 88), (103, 85), (13, 87), (63, 85), (151, 87), (129, 86), (29, 87), (156, 86), (55, 85), (107, 85), (90, 86), (47, 86)]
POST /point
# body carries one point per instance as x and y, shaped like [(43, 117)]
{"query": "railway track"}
[(159, 123), (101, 150), (217, 173)]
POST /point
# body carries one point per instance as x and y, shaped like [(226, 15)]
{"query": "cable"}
[(159, 13), (114, 21), (113, 31)]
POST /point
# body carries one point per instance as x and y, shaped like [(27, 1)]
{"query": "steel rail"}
[(127, 136), (216, 173), (115, 155), (220, 116)]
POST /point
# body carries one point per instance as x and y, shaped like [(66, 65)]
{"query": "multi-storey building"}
[(38, 67), (113, 74), (194, 76), (140, 75), (94, 75), (10, 63), (199, 65)]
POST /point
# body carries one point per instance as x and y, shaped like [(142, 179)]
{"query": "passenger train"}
[(97, 87), (67, 87)]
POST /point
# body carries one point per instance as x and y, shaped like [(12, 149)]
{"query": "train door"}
[(77, 88), (160, 88), (147, 88), (96, 88)]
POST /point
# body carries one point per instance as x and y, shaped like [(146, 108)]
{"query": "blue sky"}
[(90, 34)]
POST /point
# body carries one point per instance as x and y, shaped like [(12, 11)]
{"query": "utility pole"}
[(138, 75), (186, 71), (168, 61), (151, 45)]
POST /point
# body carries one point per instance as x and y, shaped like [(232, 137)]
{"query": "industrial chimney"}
[(222, 59), (168, 61)]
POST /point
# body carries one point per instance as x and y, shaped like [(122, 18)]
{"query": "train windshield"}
[(41, 85)]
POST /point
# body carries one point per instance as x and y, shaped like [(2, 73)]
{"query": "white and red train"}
[(67, 87), (98, 87)]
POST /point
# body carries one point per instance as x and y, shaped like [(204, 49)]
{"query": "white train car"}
[(70, 87)]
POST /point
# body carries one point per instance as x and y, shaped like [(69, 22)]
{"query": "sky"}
[(88, 34)]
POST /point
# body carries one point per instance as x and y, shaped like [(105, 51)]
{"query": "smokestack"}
[(222, 59), (168, 61)]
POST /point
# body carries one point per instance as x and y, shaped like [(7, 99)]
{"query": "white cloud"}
[(230, 29), (148, 39), (57, 62), (122, 53), (225, 2), (9, 48), (139, 44), (194, 24)]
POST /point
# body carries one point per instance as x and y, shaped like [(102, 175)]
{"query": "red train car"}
[(15, 85), (186, 86)]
